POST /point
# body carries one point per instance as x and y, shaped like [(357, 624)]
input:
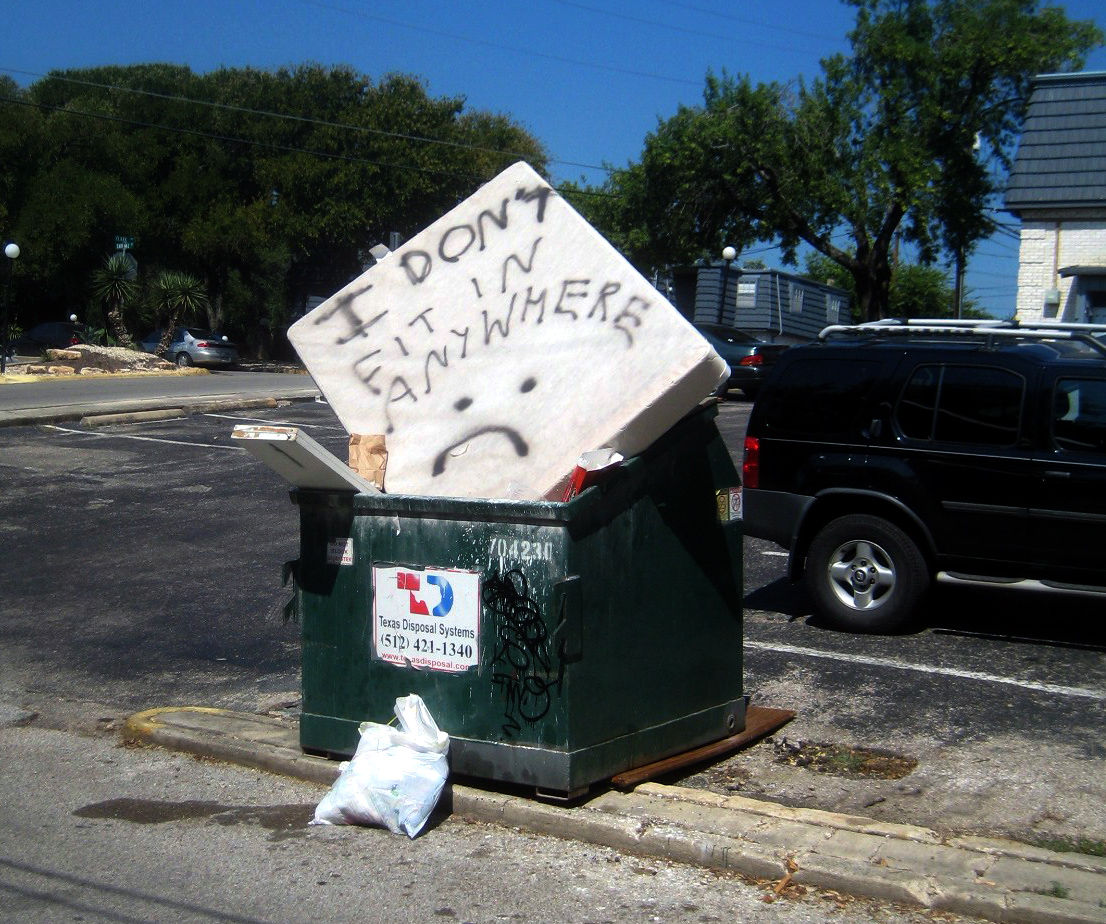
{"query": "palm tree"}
[(177, 296), (113, 286)]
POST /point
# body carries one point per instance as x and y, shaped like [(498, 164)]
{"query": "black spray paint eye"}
[(462, 403), (529, 385)]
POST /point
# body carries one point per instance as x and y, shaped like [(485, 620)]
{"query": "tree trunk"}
[(119, 328), (166, 336), (873, 287), (215, 307), (215, 312)]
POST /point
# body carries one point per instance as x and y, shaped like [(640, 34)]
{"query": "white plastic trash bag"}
[(396, 775)]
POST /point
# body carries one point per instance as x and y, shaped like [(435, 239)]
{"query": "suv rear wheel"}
[(865, 574)]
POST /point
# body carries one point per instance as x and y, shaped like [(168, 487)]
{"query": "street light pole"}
[(728, 254), (11, 251)]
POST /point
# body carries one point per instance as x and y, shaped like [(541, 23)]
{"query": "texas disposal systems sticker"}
[(426, 617)]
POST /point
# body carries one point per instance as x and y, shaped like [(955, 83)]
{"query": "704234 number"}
[(520, 549)]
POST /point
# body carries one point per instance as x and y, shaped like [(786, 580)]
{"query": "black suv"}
[(886, 453)]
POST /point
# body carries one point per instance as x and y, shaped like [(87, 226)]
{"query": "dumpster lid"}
[(295, 456)]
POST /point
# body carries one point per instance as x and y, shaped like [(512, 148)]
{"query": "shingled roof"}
[(1061, 162)]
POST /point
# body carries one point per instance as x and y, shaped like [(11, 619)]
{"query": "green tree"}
[(177, 297), (266, 185), (21, 146), (882, 143), (114, 288), (926, 292), (916, 291)]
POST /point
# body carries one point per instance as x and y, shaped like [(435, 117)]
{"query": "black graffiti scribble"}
[(540, 193), (343, 304), (521, 665)]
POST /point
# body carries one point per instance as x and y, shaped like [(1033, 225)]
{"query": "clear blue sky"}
[(588, 77)]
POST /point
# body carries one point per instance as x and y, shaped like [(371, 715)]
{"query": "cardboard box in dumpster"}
[(499, 344)]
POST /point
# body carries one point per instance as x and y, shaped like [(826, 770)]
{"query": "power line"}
[(454, 37), (741, 19), (291, 118), (286, 149), (334, 7), (976, 274), (683, 29)]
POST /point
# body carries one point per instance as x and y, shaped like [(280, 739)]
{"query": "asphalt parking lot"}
[(144, 568)]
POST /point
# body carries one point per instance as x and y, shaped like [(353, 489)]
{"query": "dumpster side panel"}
[(331, 599), (662, 598)]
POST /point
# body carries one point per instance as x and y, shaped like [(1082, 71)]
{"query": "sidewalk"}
[(992, 879)]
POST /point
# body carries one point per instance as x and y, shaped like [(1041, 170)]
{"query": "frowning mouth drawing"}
[(512, 435)]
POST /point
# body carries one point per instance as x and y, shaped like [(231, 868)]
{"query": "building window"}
[(833, 309), (1094, 300), (796, 293), (747, 294)]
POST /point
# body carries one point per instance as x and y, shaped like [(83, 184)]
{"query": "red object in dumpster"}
[(590, 469)]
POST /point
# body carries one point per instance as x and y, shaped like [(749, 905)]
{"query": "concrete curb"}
[(993, 879), (106, 420), (197, 407), (141, 410)]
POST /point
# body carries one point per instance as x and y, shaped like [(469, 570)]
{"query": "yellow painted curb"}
[(145, 374)]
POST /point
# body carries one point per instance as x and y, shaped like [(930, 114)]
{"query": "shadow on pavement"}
[(1035, 616)]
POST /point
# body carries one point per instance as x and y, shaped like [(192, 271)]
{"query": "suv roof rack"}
[(988, 330)]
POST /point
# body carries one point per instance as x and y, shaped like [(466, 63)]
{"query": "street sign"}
[(122, 242)]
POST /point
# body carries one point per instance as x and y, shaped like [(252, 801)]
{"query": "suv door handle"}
[(1057, 476), (873, 430)]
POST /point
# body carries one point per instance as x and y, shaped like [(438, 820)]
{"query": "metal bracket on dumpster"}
[(568, 604), (291, 572)]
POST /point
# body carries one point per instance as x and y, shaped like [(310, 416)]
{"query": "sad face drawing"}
[(461, 445)]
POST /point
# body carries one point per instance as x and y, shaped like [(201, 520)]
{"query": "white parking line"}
[(144, 439), (929, 669), (773, 552)]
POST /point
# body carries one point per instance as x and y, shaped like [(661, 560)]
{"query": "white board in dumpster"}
[(499, 344)]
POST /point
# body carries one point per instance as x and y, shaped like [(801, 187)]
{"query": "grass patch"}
[(1085, 845), (841, 760)]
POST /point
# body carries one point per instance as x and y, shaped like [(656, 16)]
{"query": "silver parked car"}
[(193, 346)]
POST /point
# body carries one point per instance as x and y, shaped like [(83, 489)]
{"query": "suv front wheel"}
[(865, 574)]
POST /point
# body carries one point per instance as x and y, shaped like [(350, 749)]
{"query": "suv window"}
[(980, 405), (1079, 415), (820, 397)]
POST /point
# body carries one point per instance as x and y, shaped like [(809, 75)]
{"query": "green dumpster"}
[(558, 644)]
